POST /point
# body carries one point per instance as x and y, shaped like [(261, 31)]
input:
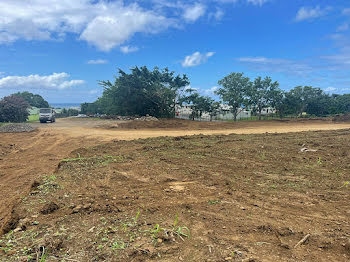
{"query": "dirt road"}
[(107, 130), (26, 157)]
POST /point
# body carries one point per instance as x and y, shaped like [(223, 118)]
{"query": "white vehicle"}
[(47, 114)]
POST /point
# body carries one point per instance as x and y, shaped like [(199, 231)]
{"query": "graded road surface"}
[(25, 157)]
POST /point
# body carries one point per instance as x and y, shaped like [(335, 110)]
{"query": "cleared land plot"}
[(233, 197)]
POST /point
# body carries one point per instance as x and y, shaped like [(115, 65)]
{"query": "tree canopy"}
[(156, 92), (33, 99), (142, 92), (234, 91)]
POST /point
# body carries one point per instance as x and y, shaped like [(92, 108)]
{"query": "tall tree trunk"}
[(260, 113), (235, 115), (259, 109)]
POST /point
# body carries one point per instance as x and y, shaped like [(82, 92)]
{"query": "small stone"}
[(159, 240), (17, 229), (77, 209), (87, 206)]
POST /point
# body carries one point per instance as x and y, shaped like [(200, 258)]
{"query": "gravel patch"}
[(16, 128)]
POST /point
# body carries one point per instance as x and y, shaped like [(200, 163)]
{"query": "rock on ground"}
[(16, 128)]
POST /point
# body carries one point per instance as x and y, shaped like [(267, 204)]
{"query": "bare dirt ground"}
[(109, 129), (248, 196)]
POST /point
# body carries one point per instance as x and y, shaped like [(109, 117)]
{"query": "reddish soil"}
[(236, 197)]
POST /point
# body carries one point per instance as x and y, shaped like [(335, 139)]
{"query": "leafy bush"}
[(13, 109)]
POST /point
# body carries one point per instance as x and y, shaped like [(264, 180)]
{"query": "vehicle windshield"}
[(45, 110)]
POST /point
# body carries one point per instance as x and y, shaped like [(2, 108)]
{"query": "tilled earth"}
[(191, 198)]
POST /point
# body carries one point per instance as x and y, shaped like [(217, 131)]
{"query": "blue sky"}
[(61, 48)]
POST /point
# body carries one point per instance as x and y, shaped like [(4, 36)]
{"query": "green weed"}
[(213, 202)]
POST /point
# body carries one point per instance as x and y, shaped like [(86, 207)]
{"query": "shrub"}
[(13, 109)]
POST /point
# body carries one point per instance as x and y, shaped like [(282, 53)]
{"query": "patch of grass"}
[(180, 231), (214, 202), (33, 118)]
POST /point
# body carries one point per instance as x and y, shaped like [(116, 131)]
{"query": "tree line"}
[(157, 92)]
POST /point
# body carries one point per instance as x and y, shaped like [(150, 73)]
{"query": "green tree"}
[(278, 101), (199, 104), (13, 109), (301, 98), (234, 91), (143, 92), (33, 99), (260, 93), (340, 104)]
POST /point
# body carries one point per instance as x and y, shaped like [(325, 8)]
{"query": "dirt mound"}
[(16, 128), (342, 118), (175, 124)]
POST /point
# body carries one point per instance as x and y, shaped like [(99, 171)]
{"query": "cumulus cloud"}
[(194, 12), (104, 24), (54, 81), (196, 59), (307, 13), (97, 62), (211, 91), (128, 49)]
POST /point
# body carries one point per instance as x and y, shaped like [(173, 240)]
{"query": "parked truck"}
[(47, 114)]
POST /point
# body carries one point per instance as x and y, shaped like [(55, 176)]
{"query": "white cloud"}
[(330, 89), (254, 2), (128, 49), (258, 2), (278, 65), (105, 24), (54, 81), (97, 62), (217, 15), (106, 32), (346, 11), (193, 12), (211, 91), (190, 88), (102, 23), (196, 59), (307, 13), (93, 91), (343, 27)]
